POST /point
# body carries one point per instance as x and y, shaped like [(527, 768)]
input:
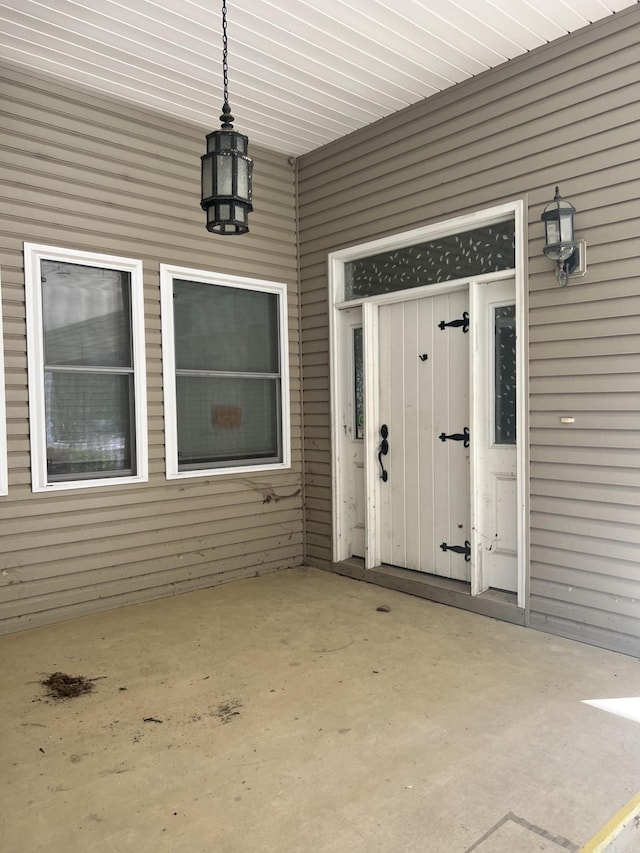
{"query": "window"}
[(453, 256), (504, 361), (225, 373), (358, 383), (87, 391)]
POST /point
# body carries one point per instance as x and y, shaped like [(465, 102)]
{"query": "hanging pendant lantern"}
[(226, 167)]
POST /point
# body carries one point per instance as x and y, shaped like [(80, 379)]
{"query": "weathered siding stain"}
[(83, 172), (568, 113)]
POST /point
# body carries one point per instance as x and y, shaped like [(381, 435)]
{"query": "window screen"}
[(228, 375)]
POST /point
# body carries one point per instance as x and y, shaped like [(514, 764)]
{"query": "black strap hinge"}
[(459, 549)]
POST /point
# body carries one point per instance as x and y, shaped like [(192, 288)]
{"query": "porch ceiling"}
[(301, 73)]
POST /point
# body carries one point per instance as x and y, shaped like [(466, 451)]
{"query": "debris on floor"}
[(63, 686), (384, 608), (226, 711)]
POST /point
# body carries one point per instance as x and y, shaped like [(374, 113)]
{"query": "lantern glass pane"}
[(207, 177), (566, 226), (243, 178), (552, 228), (224, 175)]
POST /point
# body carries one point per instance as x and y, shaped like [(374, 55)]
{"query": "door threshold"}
[(497, 604)]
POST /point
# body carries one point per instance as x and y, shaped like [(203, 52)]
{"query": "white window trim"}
[(33, 255), (167, 274), (4, 481)]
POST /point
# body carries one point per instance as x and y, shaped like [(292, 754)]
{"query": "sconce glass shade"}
[(227, 174), (558, 229)]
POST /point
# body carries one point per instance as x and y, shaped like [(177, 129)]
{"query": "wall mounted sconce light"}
[(226, 168), (570, 256)]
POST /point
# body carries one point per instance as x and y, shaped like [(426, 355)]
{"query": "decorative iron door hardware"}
[(459, 549), (463, 321), (423, 357), (384, 449), (457, 436)]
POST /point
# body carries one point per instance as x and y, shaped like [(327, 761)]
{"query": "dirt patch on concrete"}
[(62, 686), (226, 711)]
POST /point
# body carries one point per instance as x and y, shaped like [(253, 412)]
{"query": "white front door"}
[(424, 486), (442, 499)]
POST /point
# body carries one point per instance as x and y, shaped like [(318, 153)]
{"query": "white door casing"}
[(372, 309)]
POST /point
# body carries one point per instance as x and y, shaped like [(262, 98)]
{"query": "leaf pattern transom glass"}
[(456, 256)]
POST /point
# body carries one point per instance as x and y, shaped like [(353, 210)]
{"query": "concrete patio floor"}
[(295, 716)]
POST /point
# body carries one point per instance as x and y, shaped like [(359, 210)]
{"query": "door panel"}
[(351, 435), (495, 457), (451, 419), (425, 501)]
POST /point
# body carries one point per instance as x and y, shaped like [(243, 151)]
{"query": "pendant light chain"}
[(226, 118)]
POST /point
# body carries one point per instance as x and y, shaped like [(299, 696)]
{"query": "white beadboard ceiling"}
[(300, 73)]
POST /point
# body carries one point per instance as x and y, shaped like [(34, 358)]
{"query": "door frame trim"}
[(335, 265)]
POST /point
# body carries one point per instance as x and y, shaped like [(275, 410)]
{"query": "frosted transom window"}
[(456, 256)]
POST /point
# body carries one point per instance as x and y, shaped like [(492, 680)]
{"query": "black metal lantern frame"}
[(227, 170), (560, 245)]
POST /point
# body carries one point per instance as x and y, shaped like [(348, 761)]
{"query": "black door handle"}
[(384, 449)]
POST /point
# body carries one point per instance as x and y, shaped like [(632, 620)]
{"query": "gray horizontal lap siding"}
[(568, 113), (82, 172)]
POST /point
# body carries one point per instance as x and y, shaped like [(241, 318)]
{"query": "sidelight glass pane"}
[(88, 423), (470, 253), (87, 315), (505, 374), (358, 379), (225, 329), (223, 420)]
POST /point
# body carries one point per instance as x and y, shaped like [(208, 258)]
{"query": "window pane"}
[(505, 374), (225, 328), (87, 315), (222, 420), (88, 424), (470, 253), (358, 379)]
